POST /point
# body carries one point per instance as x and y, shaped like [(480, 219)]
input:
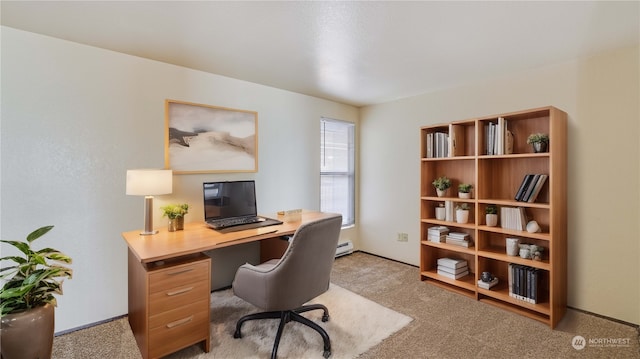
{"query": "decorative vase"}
[(462, 216), (492, 220), (28, 334), (440, 213), (513, 246), (539, 147), (441, 192), (176, 224)]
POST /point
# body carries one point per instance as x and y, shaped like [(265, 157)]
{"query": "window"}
[(337, 168)]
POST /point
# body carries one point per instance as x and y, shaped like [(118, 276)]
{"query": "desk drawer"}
[(175, 297), (178, 334), (179, 313), (179, 275)]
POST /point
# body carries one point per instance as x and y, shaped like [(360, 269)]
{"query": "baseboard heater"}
[(344, 248)]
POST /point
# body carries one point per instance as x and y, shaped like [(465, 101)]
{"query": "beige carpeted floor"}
[(445, 325)]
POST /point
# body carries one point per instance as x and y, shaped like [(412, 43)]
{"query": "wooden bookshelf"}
[(496, 179)]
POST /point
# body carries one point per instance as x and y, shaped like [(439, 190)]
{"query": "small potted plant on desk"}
[(175, 213), (539, 141), (464, 190), (441, 184), (27, 299)]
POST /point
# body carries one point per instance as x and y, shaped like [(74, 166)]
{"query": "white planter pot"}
[(462, 216), (441, 192), (492, 220), (464, 195), (441, 213)]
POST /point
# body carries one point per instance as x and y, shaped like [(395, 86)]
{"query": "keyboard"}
[(230, 222)]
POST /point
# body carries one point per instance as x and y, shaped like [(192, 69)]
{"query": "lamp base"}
[(143, 233)]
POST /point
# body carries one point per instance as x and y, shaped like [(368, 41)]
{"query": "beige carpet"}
[(356, 325)]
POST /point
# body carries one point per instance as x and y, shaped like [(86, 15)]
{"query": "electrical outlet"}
[(403, 237)]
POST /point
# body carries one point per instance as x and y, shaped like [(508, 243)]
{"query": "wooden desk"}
[(169, 280)]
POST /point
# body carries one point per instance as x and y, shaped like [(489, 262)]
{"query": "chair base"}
[(287, 316)]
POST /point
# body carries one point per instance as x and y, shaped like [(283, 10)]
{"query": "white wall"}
[(75, 118), (601, 97)]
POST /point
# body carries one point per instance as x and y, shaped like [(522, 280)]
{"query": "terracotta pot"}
[(28, 334)]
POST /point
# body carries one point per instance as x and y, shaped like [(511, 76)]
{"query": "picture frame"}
[(202, 138)]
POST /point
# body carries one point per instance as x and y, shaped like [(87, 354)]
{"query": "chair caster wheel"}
[(327, 353), (325, 318)]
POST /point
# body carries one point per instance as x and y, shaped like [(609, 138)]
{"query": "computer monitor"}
[(229, 199)]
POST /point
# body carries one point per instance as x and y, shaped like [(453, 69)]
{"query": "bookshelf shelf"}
[(480, 152)]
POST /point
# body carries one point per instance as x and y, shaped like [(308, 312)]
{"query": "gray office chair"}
[(282, 286)]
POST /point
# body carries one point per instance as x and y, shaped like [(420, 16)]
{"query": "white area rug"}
[(355, 325)]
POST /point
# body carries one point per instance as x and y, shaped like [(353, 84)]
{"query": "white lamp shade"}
[(149, 182)]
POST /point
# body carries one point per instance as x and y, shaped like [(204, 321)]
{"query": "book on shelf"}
[(530, 187), (437, 233), (459, 239), (457, 242), (523, 186), (453, 271), (459, 235), (496, 134), (437, 144), (453, 276), (534, 195), (513, 218), (524, 283), (489, 285), (452, 263)]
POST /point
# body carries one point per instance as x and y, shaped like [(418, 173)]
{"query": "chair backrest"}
[(304, 271)]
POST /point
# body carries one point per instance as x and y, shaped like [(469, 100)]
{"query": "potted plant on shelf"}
[(175, 213), (464, 190), (27, 298), (441, 184), (491, 212), (462, 213), (539, 141)]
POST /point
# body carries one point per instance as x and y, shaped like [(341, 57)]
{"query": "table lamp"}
[(148, 182)]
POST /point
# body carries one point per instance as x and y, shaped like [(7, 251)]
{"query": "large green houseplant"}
[(27, 297)]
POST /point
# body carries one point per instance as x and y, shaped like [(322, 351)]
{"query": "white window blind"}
[(337, 168)]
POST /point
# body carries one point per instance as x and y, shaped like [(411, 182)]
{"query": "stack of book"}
[(452, 268), (523, 283), (530, 187), (496, 137), (513, 218), (437, 145), (459, 239), (437, 234), (489, 285)]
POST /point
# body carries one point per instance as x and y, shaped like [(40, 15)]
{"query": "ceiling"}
[(357, 53)]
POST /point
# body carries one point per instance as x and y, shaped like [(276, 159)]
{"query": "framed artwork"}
[(209, 139)]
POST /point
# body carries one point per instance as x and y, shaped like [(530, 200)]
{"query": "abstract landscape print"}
[(206, 139)]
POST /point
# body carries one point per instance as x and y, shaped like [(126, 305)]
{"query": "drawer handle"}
[(179, 291), (181, 271), (179, 322)]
